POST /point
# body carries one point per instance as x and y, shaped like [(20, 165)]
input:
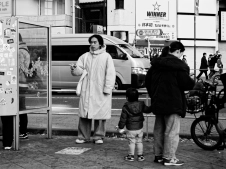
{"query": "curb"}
[(74, 132)]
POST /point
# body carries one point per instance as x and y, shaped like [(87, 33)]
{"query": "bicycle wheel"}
[(205, 134)]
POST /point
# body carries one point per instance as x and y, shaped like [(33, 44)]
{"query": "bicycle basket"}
[(194, 104)]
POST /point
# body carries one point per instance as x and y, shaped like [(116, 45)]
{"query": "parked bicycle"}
[(206, 130)]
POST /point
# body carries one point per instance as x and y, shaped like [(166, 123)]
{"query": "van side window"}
[(68, 53), (115, 52)]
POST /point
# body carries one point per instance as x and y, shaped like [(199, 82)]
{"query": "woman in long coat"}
[(96, 93)]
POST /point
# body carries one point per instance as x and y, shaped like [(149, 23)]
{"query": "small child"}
[(132, 117)]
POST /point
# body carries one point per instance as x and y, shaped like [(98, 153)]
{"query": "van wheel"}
[(118, 84)]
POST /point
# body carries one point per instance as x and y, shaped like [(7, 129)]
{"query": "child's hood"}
[(134, 107)]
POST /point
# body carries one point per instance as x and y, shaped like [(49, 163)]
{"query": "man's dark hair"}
[(132, 94), (99, 38), (204, 54)]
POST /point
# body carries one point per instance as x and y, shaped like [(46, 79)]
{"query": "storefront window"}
[(52, 7), (119, 4)]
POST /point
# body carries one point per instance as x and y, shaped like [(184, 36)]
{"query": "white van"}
[(131, 67)]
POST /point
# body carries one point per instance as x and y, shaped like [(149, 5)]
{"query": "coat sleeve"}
[(148, 80), (146, 109), (24, 59), (185, 82), (123, 119), (79, 65), (110, 75)]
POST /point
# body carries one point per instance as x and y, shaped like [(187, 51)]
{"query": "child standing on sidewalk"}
[(132, 117)]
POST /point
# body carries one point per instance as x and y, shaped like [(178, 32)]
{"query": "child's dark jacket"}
[(132, 115)]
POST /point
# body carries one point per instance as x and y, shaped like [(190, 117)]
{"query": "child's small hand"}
[(121, 131)]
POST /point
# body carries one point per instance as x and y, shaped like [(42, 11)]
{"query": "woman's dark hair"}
[(132, 94), (99, 38), (176, 46), (165, 51)]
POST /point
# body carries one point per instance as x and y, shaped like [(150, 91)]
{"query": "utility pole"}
[(196, 13)]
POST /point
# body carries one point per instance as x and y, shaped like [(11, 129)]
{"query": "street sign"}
[(149, 32)]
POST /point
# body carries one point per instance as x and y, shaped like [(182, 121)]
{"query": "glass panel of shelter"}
[(34, 44)]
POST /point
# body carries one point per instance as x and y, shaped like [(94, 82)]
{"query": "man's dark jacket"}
[(132, 115), (204, 64), (213, 61), (166, 81)]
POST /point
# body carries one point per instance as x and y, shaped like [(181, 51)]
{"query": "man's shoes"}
[(173, 162), (7, 148), (158, 159), (23, 136), (129, 157), (80, 141), (100, 141), (140, 157)]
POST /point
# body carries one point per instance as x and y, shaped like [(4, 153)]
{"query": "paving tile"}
[(10, 166)]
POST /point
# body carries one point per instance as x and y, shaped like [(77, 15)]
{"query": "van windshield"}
[(131, 51)]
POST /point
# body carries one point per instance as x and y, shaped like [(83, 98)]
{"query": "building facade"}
[(198, 24)]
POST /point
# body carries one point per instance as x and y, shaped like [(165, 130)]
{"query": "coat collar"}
[(97, 52)]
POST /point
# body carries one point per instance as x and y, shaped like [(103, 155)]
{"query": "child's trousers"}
[(135, 138)]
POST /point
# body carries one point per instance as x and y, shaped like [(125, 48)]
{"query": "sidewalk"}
[(40, 153)]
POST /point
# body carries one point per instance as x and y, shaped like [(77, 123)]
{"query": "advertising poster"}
[(8, 66), (156, 19)]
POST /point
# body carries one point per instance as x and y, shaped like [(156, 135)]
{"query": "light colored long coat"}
[(96, 94)]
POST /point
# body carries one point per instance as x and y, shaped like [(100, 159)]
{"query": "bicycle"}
[(214, 75), (206, 130)]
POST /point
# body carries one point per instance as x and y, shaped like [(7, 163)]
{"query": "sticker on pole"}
[(73, 150)]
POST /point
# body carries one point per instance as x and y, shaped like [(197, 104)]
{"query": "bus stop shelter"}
[(18, 35)]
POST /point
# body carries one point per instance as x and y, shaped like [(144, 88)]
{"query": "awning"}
[(90, 1)]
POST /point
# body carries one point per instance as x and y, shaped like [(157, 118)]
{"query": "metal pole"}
[(196, 11), (49, 111), (73, 16), (16, 118), (135, 40), (195, 47)]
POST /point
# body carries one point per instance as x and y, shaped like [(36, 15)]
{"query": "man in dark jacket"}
[(203, 67), (213, 62), (166, 81)]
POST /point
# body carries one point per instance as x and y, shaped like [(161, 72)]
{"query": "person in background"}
[(7, 132), (96, 94), (209, 59), (132, 117), (212, 63), (24, 62), (220, 64), (203, 67), (184, 59), (166, 81)]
